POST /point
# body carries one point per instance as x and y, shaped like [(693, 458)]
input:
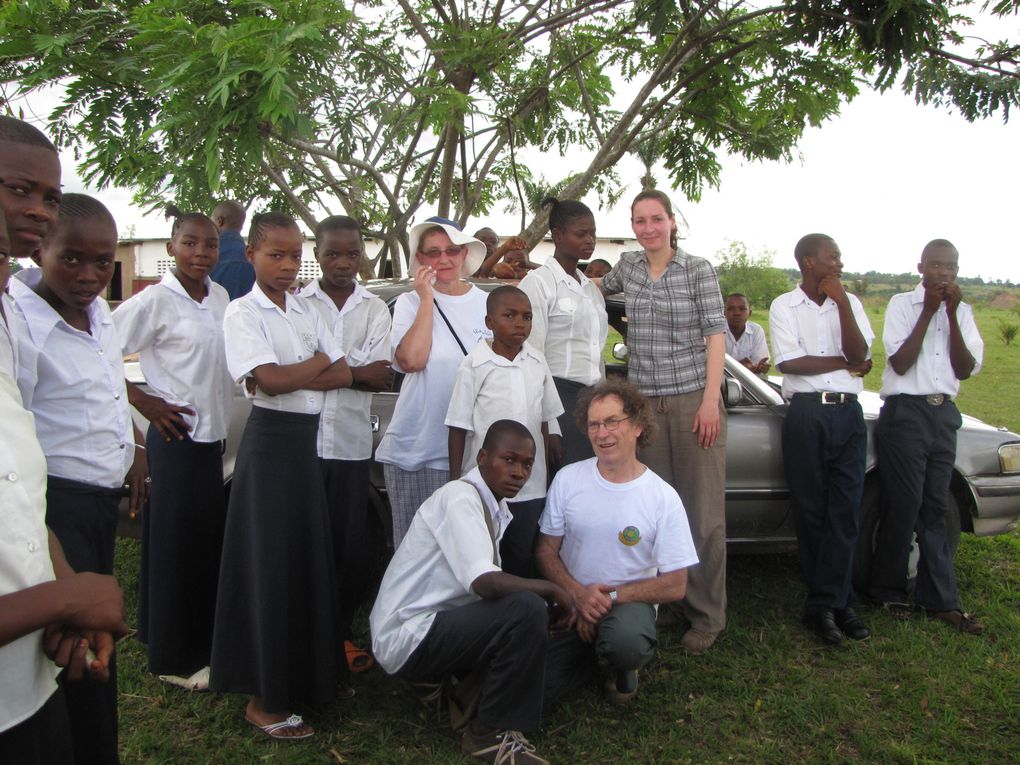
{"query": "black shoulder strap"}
[(488, 521), (450, 326)]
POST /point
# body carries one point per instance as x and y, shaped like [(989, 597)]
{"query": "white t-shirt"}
[(363, 329), (27, 677), (417, 437), (933, 370), (751, 345), (490, 387), (73, 382), (569, 324), (257, 332), (446, 548), (615, 533), (180, 343), (800, 327)]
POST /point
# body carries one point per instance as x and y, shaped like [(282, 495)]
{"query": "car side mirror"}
[(732, 391), (620, 351)]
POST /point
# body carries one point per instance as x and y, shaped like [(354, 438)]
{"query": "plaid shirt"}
[(668, 320)]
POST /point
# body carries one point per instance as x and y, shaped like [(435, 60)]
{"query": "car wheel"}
[(871, 527)]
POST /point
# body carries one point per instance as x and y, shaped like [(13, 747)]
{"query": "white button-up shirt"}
[(933, 370), (569, 324), (180, 343), (27, 677), (257, 332), (490, 387), (9, 337), (751, 345), (363, 329), (445, 550), (73, 382), (800, 327)]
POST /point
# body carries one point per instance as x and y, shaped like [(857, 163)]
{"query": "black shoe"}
[(851, 624), (824, 625)]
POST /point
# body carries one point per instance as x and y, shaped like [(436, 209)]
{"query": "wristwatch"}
[(613, 596)]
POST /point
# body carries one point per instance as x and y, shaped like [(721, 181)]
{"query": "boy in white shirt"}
[(933, 344), (361, 322), (745, 340), (508, 379)]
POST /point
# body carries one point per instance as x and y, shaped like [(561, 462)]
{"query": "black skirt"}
[(576, 445), (182, 537), (275, 633)]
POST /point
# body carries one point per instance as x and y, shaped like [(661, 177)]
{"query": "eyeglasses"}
[(611, 424), (450, 252)]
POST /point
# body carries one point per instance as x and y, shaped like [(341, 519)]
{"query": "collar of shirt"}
[(41, 318), (172, 283), (263, 301), (482, 353), (498, 510), (313, 291), (800, 296), (562, 276)]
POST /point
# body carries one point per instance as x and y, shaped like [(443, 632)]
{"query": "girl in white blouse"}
[(177, 328)]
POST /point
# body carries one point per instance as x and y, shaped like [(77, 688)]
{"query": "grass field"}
[(766, 693)]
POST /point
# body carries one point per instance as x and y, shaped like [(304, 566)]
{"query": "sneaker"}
[(696, 642), (503, 747), (621, 687)]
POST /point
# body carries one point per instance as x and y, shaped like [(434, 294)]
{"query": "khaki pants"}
[(699, 476)]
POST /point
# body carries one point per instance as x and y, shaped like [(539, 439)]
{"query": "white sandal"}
[(291, 723)]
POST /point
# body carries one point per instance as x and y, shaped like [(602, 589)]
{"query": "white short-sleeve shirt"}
[(9, 337), (27, 677), (933, 370), (751, 345), (446, 548), (490, 387), (800, 327), (73, 382), (182, 354), (569, 324), (417, 437), (256, 332), (363, 329), (615, 533)]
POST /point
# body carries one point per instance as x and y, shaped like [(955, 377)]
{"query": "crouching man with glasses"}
[(615, 536)]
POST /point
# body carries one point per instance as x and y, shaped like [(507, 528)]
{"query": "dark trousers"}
[(824, 449), (576, 444), (916, 445), (42, 739), (84, 519), (517, 547), (346, 483), (625, 638), (505, 637)]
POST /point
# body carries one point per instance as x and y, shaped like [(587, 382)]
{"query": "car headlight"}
[(1009, 458)]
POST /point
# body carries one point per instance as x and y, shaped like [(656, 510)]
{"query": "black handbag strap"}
[(488, 521), (450, 326)]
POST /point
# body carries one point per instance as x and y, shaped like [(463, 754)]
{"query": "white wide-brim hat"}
[(475, 248)]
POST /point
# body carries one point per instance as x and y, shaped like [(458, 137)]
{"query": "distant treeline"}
[(874, 278)]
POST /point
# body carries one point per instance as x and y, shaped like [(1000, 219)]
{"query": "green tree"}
[(753, 275), (380, 109)]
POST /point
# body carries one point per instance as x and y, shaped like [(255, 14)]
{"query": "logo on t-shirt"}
[(630, 536)]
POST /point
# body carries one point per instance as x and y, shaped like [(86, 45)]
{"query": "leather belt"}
[(935, 399), (830, 397)]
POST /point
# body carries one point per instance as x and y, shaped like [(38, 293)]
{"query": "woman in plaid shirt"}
[(677, 349)]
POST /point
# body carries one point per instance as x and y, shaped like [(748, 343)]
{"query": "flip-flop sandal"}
[(358, 659), (901, 612), (272, 730), (197, 682)]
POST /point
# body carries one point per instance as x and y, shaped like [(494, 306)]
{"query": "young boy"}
[(29, 197), (597, 268), (362, 322), (745, 340), (72, 378), (39, 591), (821, 340), (507, 379), (933, 343), (445, 608)]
